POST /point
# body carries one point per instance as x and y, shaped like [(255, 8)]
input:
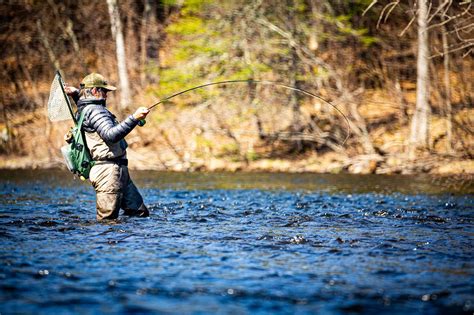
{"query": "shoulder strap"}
[(81, 118), (79, 132)]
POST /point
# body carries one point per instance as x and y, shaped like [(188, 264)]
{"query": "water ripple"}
[(236, 251)]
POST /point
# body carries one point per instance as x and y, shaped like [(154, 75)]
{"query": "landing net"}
[(58, 103)]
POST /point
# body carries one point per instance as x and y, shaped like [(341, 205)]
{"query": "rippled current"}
[(239, 244)]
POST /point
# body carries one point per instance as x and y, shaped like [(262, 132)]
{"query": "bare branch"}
[(292, 42), (458, 35), (408, 26), (440, 7), (278, 30), (451, 18), (394, 4), (369, 7), (467, 53), (429, 9), (457, 29), (47, 45), (457, 48), (390, 5), (445, 12)]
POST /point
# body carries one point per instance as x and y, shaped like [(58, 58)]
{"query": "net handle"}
[(61, 84)]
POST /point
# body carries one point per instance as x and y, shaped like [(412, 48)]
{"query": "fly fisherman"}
[(105, 140)]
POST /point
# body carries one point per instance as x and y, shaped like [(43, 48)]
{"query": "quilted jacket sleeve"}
[(99, 119)]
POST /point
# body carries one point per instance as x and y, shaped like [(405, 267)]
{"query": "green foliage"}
[(188, 25), (300, 6), (201, 47), (194, 6), (252, 155), (344, 29), (188, 6), (173, 80), (196, 53), (230, 150), (202, 141), (161, 116), (320, 72), (203, 145), (368, 40), (242, 71)]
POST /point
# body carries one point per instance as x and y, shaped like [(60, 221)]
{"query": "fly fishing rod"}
[(264, 82)]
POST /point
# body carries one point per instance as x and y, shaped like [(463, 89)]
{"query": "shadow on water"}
[(239, 243)]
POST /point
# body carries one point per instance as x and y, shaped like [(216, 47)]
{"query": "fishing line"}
[(263, 82)]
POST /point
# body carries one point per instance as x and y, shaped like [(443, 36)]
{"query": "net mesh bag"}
[(58, 106)]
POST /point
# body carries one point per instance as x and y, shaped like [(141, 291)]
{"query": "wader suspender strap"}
[(79, 134)]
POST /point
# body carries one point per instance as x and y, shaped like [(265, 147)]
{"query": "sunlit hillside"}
[(349, 69)]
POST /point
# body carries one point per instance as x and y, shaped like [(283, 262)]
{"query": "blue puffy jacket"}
[(99, 119)]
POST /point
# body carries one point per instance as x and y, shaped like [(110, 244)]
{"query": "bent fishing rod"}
[(264, 82)]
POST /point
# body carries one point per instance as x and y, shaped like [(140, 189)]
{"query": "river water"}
[(239, 244)]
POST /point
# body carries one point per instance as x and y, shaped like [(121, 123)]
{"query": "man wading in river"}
[(105, 139)]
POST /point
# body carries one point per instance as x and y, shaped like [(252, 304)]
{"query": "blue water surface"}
[(238, 244)]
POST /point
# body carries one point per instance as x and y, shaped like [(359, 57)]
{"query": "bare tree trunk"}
[(36, 100), (447, 87), (293, 67), (9, 133), (47, 46), (153, 41), (143, 41), (294, 102), (68, 32), (229, 133), (403, 117), (361, 129), (313, 40), (419, 125), (293, 72), (117, 33)]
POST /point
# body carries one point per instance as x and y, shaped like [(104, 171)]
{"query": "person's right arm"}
[(103, 122), (72, 92)]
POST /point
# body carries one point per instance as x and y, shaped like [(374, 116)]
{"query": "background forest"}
[(400, 72)]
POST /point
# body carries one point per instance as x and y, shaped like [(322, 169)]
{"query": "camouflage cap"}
[(96, 80)]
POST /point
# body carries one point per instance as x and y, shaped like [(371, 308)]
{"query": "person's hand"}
[(141, 113), (70, 90)]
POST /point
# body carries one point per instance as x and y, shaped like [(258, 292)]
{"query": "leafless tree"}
[(116, 26), (419, 131)]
